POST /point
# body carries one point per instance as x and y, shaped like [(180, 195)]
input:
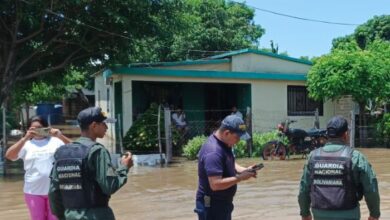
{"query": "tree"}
[(42, 92), (360, 73), (363, 74), (38, 38), (344, 43), (381, 58), (358, 65), (51, 89), (203, 28), (376, 28)]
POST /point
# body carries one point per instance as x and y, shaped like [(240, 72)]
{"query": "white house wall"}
[(344, 106), (127, 103), (250, 62), (101, 101), (269, 101)]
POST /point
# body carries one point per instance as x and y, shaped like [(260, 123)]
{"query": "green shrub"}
[(383, 127), (386, 125), (143, 135), (191, 149), (240, 149), (42, 92), (260, 139)]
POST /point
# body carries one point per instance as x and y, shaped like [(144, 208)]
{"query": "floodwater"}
[(168, 193)]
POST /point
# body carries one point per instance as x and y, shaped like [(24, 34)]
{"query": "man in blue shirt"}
[(218, 172)]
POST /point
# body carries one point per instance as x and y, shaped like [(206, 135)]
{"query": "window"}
[(299, 103)]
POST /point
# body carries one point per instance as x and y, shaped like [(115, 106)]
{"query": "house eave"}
[(204, 74)]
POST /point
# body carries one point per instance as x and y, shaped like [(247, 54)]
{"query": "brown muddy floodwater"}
[(168, 193)]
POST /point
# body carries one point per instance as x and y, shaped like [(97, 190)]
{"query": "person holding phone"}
[(83, 178), (36, 149), (219, 173)]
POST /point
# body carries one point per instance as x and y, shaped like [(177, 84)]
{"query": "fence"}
[(171, 136), (257, 120), (154, 132), (204, 122), (8, 121), (372, 133)]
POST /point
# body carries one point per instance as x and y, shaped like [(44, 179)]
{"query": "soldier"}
[(335, 179), (83, 178)]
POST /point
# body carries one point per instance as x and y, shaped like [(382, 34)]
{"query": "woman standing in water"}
[(36, 149)]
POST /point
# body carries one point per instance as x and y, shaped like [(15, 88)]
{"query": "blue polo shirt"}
[(215, 159)]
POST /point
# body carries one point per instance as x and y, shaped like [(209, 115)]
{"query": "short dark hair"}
[(39, 119), (84, 127)]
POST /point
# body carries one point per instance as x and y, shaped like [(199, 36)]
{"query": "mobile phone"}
[(257, 167), (43, 131)]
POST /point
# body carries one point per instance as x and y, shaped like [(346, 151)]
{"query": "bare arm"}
[(239, 168), (218, 183), (13, 151), (57, 133)]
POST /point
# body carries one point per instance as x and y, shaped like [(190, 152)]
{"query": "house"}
[(272, 85)]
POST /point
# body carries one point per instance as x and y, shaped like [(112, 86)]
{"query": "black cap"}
[(235, 124), (93, 114), (337, 126)]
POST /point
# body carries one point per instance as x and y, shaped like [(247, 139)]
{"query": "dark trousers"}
[(218, 210)]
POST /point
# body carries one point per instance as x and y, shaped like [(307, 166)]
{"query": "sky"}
[(304, 38)]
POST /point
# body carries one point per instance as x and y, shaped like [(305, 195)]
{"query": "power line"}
[(296, 17), (78, 22)]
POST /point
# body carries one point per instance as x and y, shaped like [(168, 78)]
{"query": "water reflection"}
[(168, 193)]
